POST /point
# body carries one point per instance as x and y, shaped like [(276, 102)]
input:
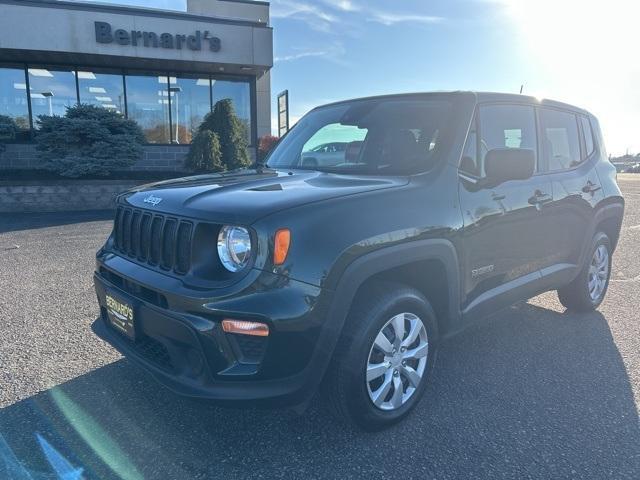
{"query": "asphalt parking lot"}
[(532, 392)]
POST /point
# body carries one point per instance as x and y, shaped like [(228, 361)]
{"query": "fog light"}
[(243, 327)]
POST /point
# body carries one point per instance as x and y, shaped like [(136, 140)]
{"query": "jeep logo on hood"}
[(152, 200)]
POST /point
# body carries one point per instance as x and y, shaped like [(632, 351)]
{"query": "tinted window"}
[(318, 152), (560, 139), (588, 136), (378, 136), (506, 126)]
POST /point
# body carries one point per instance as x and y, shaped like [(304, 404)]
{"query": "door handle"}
[(591, 187), (497, 197), (539, 198)]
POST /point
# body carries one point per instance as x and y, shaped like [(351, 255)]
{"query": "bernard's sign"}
[(105, 34)]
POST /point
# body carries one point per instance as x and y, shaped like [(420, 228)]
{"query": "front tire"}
[(384, 358), (587, 291)]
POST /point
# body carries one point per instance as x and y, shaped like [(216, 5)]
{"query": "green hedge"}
[(88, 140), (8, 131)]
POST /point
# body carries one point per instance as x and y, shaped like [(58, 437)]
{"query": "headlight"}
[(234, 247)]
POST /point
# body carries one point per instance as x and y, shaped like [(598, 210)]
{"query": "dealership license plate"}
[(121, 316)]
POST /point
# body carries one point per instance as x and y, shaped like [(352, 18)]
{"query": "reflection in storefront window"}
[(190, 102), (168, 108), (13, 96), (148, 104), (102, 89), (240, 95), (52, 90)]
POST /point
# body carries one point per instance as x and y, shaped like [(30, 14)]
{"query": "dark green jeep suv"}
[(375, 228)]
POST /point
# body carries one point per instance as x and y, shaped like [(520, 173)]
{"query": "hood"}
[(246, 196)]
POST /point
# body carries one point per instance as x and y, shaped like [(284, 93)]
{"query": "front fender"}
[(378, 261)]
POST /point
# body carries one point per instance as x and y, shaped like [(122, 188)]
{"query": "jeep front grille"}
[(157, 239)]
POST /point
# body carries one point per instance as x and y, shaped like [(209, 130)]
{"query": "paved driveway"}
[(530, 393)]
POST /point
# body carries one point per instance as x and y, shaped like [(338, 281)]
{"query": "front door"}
[(505, 236)]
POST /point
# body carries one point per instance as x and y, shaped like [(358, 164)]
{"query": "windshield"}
[(380, 136)]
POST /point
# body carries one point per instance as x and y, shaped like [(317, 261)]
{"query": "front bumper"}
[(179, 338)]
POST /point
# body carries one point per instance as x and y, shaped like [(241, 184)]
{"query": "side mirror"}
[(504, 164), (309, 162)]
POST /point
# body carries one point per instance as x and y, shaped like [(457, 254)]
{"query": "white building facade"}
[(163, 69)]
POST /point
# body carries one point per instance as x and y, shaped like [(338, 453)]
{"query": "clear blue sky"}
[(327, 50)]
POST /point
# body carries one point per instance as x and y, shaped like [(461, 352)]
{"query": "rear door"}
[(568, 155), (505, 236)]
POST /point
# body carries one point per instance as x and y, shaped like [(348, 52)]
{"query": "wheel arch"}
[(408, 264), (608, 219)]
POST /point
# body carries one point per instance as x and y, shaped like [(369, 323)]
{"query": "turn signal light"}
[(281, 246), (243, 327)]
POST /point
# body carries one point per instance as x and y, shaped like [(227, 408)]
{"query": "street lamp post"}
[(48, 95), (176, 90)]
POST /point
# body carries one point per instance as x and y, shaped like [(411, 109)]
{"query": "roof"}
[(481, 97), (95, 6), (516, 97)]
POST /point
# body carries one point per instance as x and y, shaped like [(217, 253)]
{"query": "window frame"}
[(151, 74), (576, 114), (478, 127), (181, 76), (473, 126), (60, 67), (587, 155), (27, 132), (446, 140), (541, 163), (105, 71)]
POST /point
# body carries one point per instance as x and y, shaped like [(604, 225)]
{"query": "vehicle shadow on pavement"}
[(529, 393), (12, 222)]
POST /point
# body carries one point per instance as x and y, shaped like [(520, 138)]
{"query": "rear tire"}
[(377, 377), (587, 291)]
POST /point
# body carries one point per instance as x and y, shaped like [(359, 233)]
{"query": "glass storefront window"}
[(169, 109), (148, 104), (102, 89), (52, 91), (240, 94), (190, 102), (13, 98)]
